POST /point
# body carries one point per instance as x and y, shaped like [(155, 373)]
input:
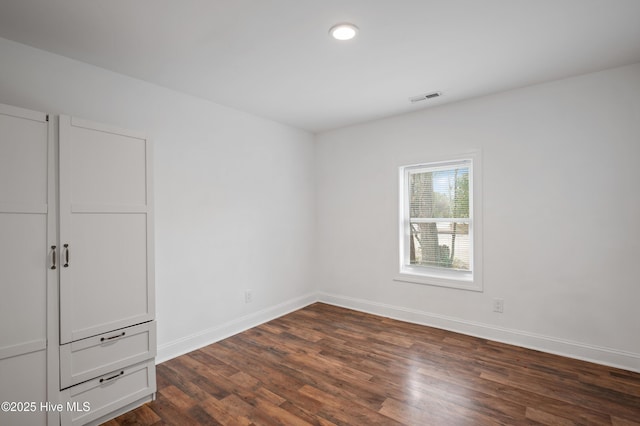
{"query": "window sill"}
[(462, 284)]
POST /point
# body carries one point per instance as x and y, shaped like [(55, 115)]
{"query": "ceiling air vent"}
[(425, 96)]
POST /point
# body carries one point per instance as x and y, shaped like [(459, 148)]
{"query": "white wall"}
[(234, 193), (561, 215)]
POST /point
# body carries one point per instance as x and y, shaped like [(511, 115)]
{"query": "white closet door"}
[(106, 229), (24, 258)]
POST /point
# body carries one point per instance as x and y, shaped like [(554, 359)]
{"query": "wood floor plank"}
[(179, 399), (616, 421), (335, 408), (433, 412), (325, 365), (547, 418), (502, 395), (221, 412)]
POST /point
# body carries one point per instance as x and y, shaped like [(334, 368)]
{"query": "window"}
[(439, 223)]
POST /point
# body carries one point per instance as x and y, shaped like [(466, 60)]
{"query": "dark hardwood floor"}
[(324, 365)]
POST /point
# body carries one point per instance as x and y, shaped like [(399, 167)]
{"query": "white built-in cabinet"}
[(76, 265)]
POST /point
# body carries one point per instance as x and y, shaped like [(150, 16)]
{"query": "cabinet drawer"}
[(88, 358), (106, 394)]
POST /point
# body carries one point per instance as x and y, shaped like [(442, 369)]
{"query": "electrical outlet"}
[(498, 305), (248, 296)]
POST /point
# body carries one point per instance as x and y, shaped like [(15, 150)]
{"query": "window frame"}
[(443, 277)]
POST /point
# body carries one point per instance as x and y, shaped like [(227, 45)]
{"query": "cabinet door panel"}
[(22, 264), (106, 221), (23, 159), (23, 381), (107, 168), (108, 270)]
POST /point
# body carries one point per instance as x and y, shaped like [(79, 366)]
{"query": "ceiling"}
[(274, 58)]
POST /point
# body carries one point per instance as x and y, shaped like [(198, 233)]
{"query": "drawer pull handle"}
[(66, 256), (102, 339), (115, 376), (53, 249)]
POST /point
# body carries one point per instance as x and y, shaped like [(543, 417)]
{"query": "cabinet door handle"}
[(102, 339), (53, 265), (66, 256), (115, 376)]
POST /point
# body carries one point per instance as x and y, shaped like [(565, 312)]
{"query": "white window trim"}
[(439, 276)]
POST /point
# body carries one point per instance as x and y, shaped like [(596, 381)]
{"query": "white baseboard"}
[(600, 355), (203, 338)]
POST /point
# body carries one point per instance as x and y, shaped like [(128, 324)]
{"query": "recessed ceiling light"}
[(344, 31)]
